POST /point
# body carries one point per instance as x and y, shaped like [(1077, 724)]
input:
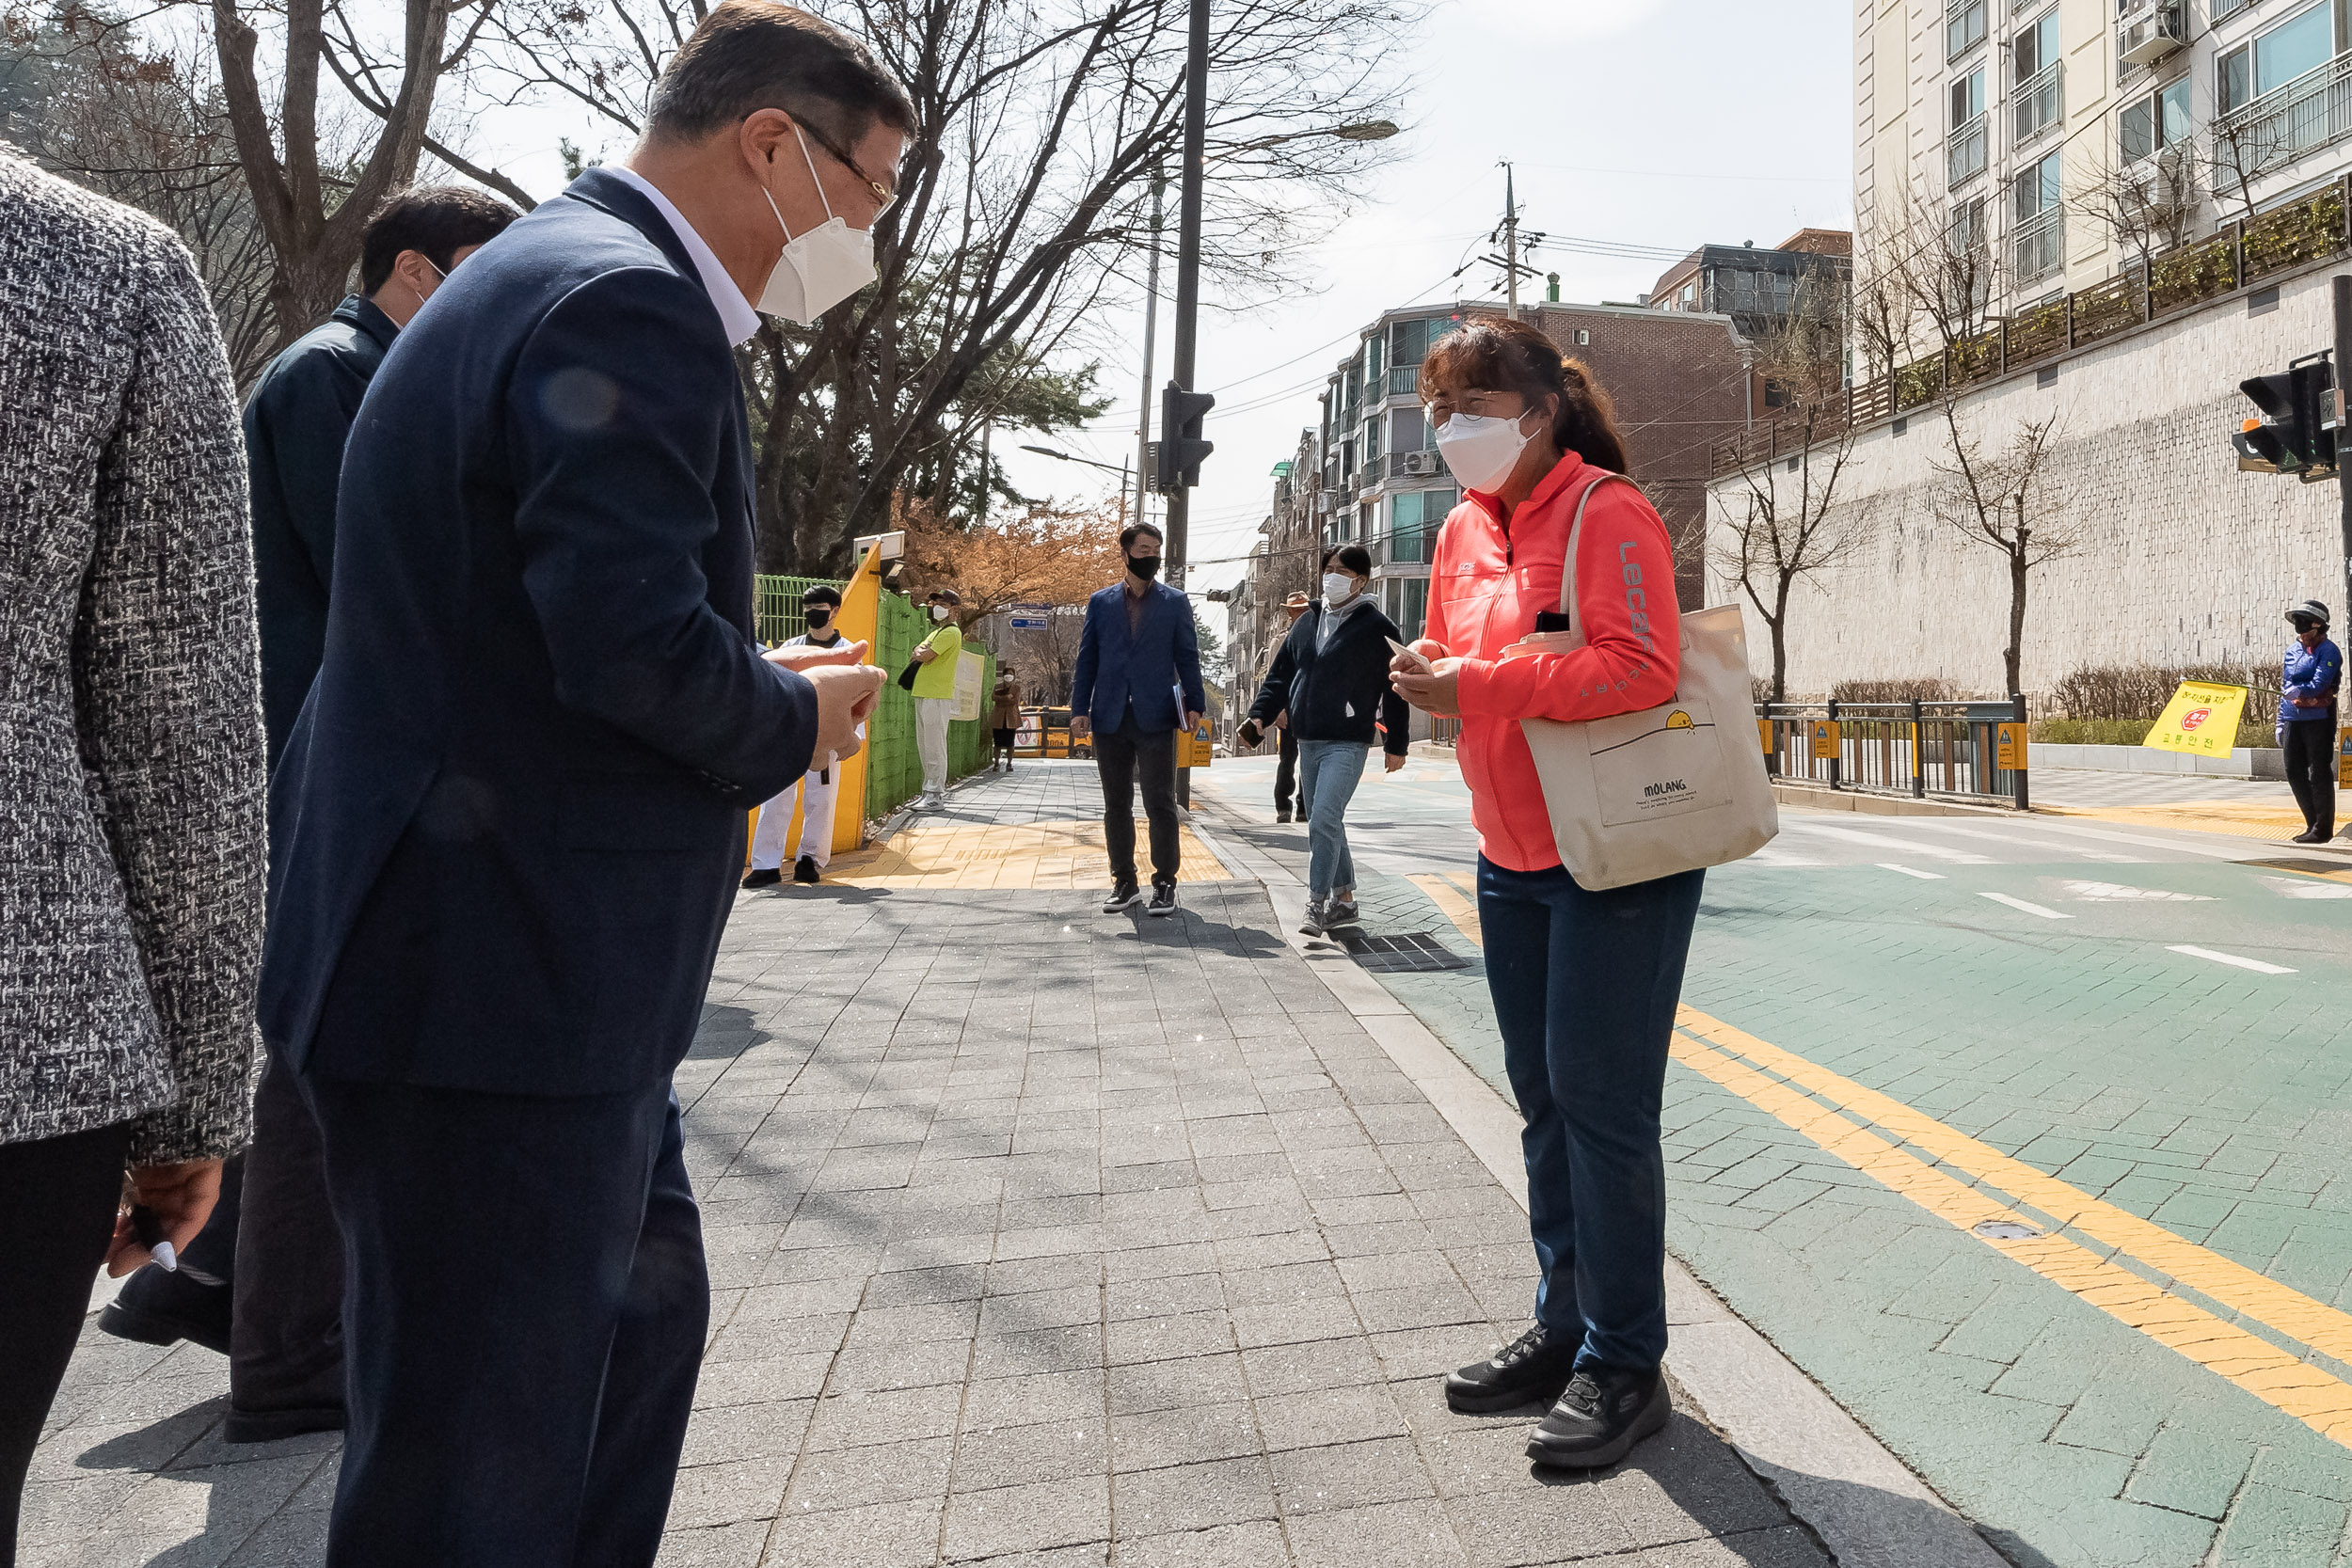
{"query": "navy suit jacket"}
[(1115, 669), (295, 425), (506, 828)]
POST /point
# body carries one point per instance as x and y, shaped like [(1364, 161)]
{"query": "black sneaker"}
[(769, 878), (275, 1426), (1282, 816), (1531, 1370), (1124, 893), (804, 869), (1163, 899), (1603, 1413)]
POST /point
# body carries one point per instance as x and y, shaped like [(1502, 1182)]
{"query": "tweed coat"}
[(132, 834)]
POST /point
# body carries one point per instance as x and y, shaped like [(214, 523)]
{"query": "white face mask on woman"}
[(1338, 588), (1482, 449), (822, 267)]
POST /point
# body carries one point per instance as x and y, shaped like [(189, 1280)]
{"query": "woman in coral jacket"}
[(1584, 983)]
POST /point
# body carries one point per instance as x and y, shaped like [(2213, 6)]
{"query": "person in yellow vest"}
[(935, 696)]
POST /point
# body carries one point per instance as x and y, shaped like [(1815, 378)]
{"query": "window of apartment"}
[(1408, 430), (1413, 520), (1371, 441), (1965, 143), (2157, 121), (1372, 356), (2034, 77), (2304, 42), (2037, 189), (1406, 601), (1964, 26), (1966, 231)]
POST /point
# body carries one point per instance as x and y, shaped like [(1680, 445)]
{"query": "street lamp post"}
[(1073, 457)]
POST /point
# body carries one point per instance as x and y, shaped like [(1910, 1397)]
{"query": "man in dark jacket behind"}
[(1332, 678), (271, 1249)]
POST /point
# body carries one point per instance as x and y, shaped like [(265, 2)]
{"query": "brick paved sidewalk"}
[(1037, 1237)]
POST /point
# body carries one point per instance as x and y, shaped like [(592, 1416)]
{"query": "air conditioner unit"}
[(2152, 33), (1421, 462)]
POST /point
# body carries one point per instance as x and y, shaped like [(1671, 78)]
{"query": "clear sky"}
[(1653, 123)]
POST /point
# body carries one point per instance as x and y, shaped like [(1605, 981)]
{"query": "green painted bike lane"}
[(2213, 1101)]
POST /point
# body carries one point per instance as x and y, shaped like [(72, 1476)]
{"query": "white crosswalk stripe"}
[(1885, 841)]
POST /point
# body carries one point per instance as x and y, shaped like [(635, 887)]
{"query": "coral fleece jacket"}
[(1489, 582)]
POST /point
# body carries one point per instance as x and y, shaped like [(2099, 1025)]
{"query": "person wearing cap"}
[(1286, 770), (820, 608), (935, 695), (2311, 679)]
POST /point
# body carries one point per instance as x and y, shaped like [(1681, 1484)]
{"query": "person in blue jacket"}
[(1137, 650), (2310, 680)]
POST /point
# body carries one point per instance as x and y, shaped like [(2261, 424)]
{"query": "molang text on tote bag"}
[(1638, 796)]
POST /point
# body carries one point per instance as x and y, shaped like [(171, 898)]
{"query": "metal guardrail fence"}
[(1969, 751)]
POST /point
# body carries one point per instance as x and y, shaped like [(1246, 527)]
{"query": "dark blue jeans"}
[(1585, 988)]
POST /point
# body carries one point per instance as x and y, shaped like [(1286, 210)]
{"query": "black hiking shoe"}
[(1603, 1413), (1531, 1370)]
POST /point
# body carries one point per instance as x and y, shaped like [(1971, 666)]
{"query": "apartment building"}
[(1758, 287), (2144, 201)]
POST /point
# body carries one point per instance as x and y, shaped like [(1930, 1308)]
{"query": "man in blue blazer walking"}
[(508, 822), (1137, 655)]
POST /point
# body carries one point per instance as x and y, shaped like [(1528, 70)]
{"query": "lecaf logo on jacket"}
[(1680, 719)]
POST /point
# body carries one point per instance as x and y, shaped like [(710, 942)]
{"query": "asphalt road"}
[(2026, 1137)]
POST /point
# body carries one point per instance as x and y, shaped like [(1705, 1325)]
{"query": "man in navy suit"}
[(1139, 647), (508, 822)]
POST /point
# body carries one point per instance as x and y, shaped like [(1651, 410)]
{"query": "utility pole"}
[(1151, 330), (1178, 509), (1511, 241), (2342, 367)]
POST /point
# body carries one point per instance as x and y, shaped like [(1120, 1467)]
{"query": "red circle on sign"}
[(2195, 716)]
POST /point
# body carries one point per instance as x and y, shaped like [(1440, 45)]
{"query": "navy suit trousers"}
[(524, 1308)]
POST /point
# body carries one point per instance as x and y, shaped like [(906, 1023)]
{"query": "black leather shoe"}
[(1531, 1370), (1124, 893), (1282, 816), (157, 1306), (1602, 1413), (769, 878), (1163, 899), (271, 1426), (804, 870)]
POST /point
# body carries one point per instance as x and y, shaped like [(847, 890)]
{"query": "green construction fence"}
[(894, 773)]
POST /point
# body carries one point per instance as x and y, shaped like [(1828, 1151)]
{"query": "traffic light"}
[(2297, 434), (1176, 454)]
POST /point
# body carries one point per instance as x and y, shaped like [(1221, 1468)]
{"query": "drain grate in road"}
[(1399, 953)]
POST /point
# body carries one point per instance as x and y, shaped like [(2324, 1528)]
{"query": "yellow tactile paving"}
[(1018, 857), (2276, 1376), (1456, 904), (2239, 818)]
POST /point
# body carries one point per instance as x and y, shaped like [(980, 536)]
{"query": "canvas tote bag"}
[(1639, 796)]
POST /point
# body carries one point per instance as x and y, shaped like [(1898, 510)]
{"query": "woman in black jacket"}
[(1332, 674)]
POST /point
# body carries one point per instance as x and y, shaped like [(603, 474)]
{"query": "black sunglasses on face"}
[(2303, 626)]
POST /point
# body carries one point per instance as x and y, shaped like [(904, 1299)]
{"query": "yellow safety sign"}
[(1199, 749), (2343, 759), (1824, 740), (2010, 748), (2201, 720), (1764, 733)]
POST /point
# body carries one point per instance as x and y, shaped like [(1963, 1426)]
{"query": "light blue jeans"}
[(1328, 772)]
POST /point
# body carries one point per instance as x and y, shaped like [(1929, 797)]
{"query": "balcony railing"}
[(2286, 123), (1404, 380), (2038, 249), (2298, 234), (2036, 104), (1408, 546), (2223, 9), (1964, 154)]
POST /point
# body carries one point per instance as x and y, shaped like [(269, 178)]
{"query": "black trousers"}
[(524, 1308), (62, 1193), (1286, 770), (1124, 758), (2308, 749), (286, 1334)]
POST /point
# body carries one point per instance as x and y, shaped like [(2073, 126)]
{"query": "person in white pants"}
[(935, 695), (817, 787)]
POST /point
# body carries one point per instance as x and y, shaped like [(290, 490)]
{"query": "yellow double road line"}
[(1832, 1110)]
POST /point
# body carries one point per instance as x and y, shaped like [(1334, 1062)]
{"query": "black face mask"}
[(1145, 566), (818, 619)]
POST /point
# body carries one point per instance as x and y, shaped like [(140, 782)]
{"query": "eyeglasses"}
[(885, 196)]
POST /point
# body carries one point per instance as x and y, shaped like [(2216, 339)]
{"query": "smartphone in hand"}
[(1416, 660)]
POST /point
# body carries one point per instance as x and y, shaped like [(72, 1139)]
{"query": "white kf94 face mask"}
[(822, 267), (1482, 449), (1338, 588)]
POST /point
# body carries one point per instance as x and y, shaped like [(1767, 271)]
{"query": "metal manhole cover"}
[(2005, 1230), (1399, 953)]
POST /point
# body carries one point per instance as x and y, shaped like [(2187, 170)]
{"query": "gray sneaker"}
[(1312, 925), (1342, 911)]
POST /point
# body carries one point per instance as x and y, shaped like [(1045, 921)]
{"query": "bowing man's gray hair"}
[(752, 54)]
